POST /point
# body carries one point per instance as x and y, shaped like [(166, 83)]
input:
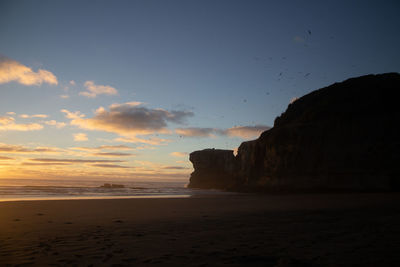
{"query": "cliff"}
[(343, 137)]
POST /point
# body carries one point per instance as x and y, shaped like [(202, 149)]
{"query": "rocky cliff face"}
[(343, 137)]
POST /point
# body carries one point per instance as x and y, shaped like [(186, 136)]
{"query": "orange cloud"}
[(72, 115), (93, 90), (8, 124), (79, 137), (52, 160), (112, 154), (44, 163), (58, 125), (179, 154), (246, 131), (26, 116), (6, 120), (129, 120), (11, 70), (109, 166), (6, 148), (104, 147), (6, 158)]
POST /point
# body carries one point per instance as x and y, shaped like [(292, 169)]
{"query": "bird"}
[(309, 32)]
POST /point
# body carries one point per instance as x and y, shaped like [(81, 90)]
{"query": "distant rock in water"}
[(344, 137), (112, 186)]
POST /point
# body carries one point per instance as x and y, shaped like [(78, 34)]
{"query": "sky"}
[(127, 89)]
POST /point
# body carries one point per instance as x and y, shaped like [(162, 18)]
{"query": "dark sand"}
[(289, 230)]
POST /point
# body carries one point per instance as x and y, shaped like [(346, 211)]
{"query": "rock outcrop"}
[(214, 168), (343, 137)]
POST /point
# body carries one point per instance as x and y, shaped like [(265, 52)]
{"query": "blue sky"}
[(227, 64)]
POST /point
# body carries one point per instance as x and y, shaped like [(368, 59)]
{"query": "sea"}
[(38, 189)]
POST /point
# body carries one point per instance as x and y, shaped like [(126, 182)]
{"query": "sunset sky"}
[(127, 89)]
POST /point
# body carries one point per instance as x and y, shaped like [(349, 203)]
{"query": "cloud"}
[(44, 163), (51, 160), (6, 158), (246, 131), (72, 82), (237, 131), (13, 71), (13, 148), (58, 125), (175, 168), (109, 166), (11, 113), (6, 148), (93, 90), (104, 147), (119, 147), (6, 120), (79, 137), (72, 115), (112, 154), (179, 154), (8, 124), (128, 120), (39, 116), (196, 132), (64, 96), (46, 150), (149, 141), (26, 116)]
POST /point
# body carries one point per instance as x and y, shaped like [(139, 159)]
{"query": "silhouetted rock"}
[(214, 168), (343, 137)]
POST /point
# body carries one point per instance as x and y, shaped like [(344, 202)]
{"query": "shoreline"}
[(89, 198), (234, 230)]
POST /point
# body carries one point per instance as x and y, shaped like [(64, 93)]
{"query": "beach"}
[(231, 230)]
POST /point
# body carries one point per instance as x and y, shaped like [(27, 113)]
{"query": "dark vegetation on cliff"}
[(344, 137)]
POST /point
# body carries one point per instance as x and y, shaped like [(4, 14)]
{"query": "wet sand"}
[(237, 230)]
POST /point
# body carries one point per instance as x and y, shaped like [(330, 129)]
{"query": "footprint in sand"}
[(17, 220), (118, 221), (39, 214), (68, 223)]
